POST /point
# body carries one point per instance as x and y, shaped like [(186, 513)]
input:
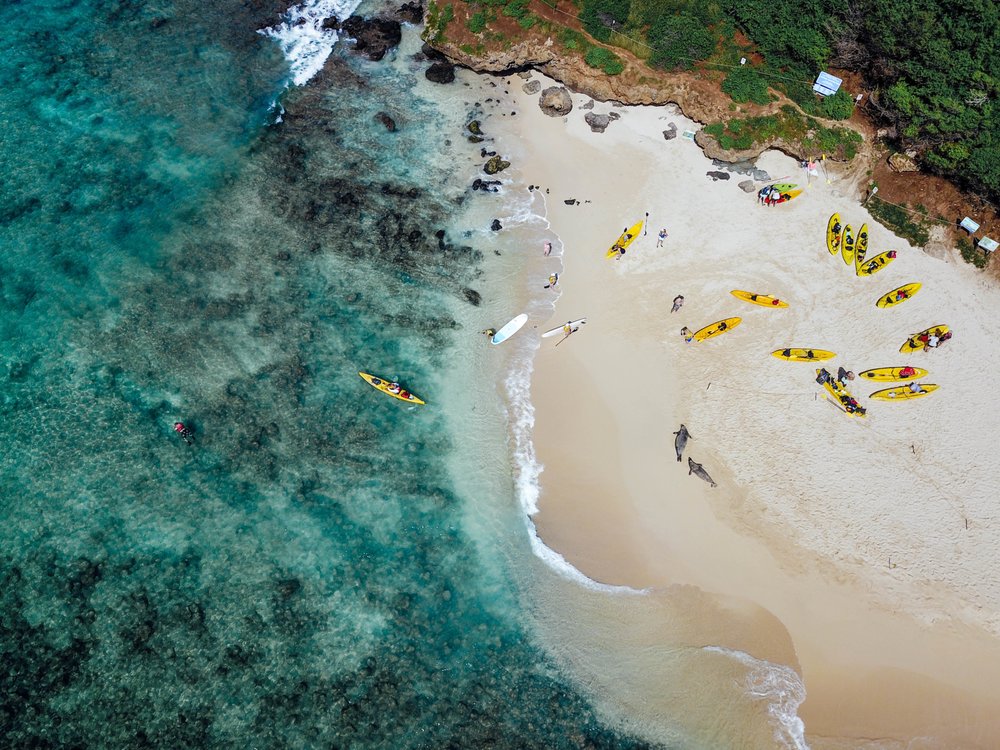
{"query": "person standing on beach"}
[(660, 237), (547, 248), (678, 301), (553, 280), (686, 333)]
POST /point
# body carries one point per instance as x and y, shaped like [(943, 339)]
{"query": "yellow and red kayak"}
[(390, 388), (783, 196), (764, 300), (803, 355), (898, 295), (903, 392), (833, 229), (716, 329), (847, 245), (842, 397), (861, 246), (876, 264), (893, 374), (627, 238), (917, 341)]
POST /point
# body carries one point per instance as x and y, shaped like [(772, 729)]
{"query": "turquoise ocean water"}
[(309, 573)]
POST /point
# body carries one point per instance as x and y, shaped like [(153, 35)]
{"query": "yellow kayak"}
[(784, 196), (764, 300), (390, 388), (833, 234), (861, 246), (876, 264), (803, 355), (716, 329), (893, 374), (916, 342), (842, 397), (898, 295), (627, 238), (847, 245), (903, 392)]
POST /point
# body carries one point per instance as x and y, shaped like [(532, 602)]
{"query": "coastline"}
[(879, 650)]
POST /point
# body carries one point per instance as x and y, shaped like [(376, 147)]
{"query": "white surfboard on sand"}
[(560, 329), (509, 329)]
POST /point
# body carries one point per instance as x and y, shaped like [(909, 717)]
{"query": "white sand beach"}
[(873, 542)]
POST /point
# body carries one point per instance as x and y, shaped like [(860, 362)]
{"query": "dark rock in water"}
[(555, 101), (373, 37), (671, 132), (496, 226), (440, 72), (410, 13), (383, 117), (284, 255), (332, 23), (432, 54), (716, 176), (440, 238), (487, 186), (474, 297), (158, 22), (473, 127), (289, 587), (571, 201), (532, 87), (495, 165), (598, 123)]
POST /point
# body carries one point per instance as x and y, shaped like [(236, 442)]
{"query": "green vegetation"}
[(899, 220), (972, 254), (839, 106), (605, 59), (790, 126), (746, 84), (476, 22)]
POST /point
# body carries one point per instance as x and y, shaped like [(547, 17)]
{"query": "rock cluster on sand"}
[(555, 101)]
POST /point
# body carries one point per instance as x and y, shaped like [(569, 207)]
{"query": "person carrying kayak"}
[(186, 434)]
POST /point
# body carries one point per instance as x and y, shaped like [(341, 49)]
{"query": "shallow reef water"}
[(299, 577)]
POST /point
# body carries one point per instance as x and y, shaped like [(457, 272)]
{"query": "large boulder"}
[(440, 72), (410, 13), (748, 186), (373, 36), (495, 165), (598, 123), (555, 101)]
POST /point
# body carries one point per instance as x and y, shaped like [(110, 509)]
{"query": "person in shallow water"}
[(186, 435)]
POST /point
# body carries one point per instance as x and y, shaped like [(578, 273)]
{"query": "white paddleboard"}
[(509, 329), (559, 329)]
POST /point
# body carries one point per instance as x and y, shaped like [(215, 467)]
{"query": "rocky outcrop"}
[(597, 123), (440, 72), (495, 165), (555, 101), (373, 36), (410, 13), (903, 163)]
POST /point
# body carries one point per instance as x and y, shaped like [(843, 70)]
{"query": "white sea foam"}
[(302, 38), (782, 688)]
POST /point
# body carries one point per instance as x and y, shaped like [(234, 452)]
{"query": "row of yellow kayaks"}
[(854, 249)]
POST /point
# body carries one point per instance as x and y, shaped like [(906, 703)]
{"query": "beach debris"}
[(598, 123), (495, 164), (571, 202), (681, 441), (496, 226), (440, 72), (671, 132), (555, 101), (699, 471)]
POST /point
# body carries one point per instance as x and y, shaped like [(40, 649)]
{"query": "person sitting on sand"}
[(944, 337), (932, 342), (686, 333), (678, 301)]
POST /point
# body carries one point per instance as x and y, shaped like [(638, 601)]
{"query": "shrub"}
[(679, 41), (516, 9), (476, 22), (746, 84), (605, 59), (527, 21), (838, 106), (595, 13), (973, 254)]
